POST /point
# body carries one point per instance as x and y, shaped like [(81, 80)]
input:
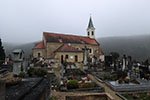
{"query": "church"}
[(69, 48)]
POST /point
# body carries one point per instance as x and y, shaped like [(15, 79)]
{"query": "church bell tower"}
[(91, 29)]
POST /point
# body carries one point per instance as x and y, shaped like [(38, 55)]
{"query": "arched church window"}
[(92, 33), (88, 33), (39, 54), (91, 51), (66, 56)]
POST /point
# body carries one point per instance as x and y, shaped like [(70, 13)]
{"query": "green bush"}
[(112, 77), (88, 85), (31, 72), (37, 72), (72, 84), (40, 72), (23, 75)]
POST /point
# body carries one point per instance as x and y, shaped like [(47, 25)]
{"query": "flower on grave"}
[(65, 84)]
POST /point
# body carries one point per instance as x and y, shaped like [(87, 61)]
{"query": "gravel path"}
[(107, 89)]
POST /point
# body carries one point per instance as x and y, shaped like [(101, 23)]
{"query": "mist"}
[(24, 21)]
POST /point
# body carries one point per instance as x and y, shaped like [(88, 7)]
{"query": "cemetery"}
[(122, 75), (78, 80), (126, 75)]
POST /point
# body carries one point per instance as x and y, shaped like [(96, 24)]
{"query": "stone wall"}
[(41, 51), (50, 48), (29, 89), (48, 52)]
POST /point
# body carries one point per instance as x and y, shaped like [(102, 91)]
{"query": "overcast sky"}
[(23, 21)]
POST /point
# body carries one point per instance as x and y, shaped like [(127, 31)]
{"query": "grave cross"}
[(85, 49)]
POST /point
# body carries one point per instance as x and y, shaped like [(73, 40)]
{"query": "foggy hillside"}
[(136, 46), (27, 48)]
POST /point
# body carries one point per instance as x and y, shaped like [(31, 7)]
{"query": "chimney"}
[(2, 89)]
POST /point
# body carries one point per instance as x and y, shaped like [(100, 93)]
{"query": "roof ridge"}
[(63, 34)]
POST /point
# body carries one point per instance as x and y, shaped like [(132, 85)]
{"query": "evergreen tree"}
[(2, 53)]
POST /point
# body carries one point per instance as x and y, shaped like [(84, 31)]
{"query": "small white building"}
[(18, 61)]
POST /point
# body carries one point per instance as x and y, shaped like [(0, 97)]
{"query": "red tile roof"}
[(67, 48), (63, 38), (40, 45)]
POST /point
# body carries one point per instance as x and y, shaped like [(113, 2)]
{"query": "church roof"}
[(90, 23), (63, 38), (40, 45), (67, 48)]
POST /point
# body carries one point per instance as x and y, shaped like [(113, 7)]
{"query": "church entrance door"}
[(76, 58)]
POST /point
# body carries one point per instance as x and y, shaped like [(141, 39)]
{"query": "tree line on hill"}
[(138, 47)]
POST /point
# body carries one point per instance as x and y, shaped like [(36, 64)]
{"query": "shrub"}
[(40, 72), (112, 77), (31, 72), (37, 72), (72, 84), (23, 75), (88, 85)]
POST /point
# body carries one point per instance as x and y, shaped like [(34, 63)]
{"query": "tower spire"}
[(91, 29), (90, 23)]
